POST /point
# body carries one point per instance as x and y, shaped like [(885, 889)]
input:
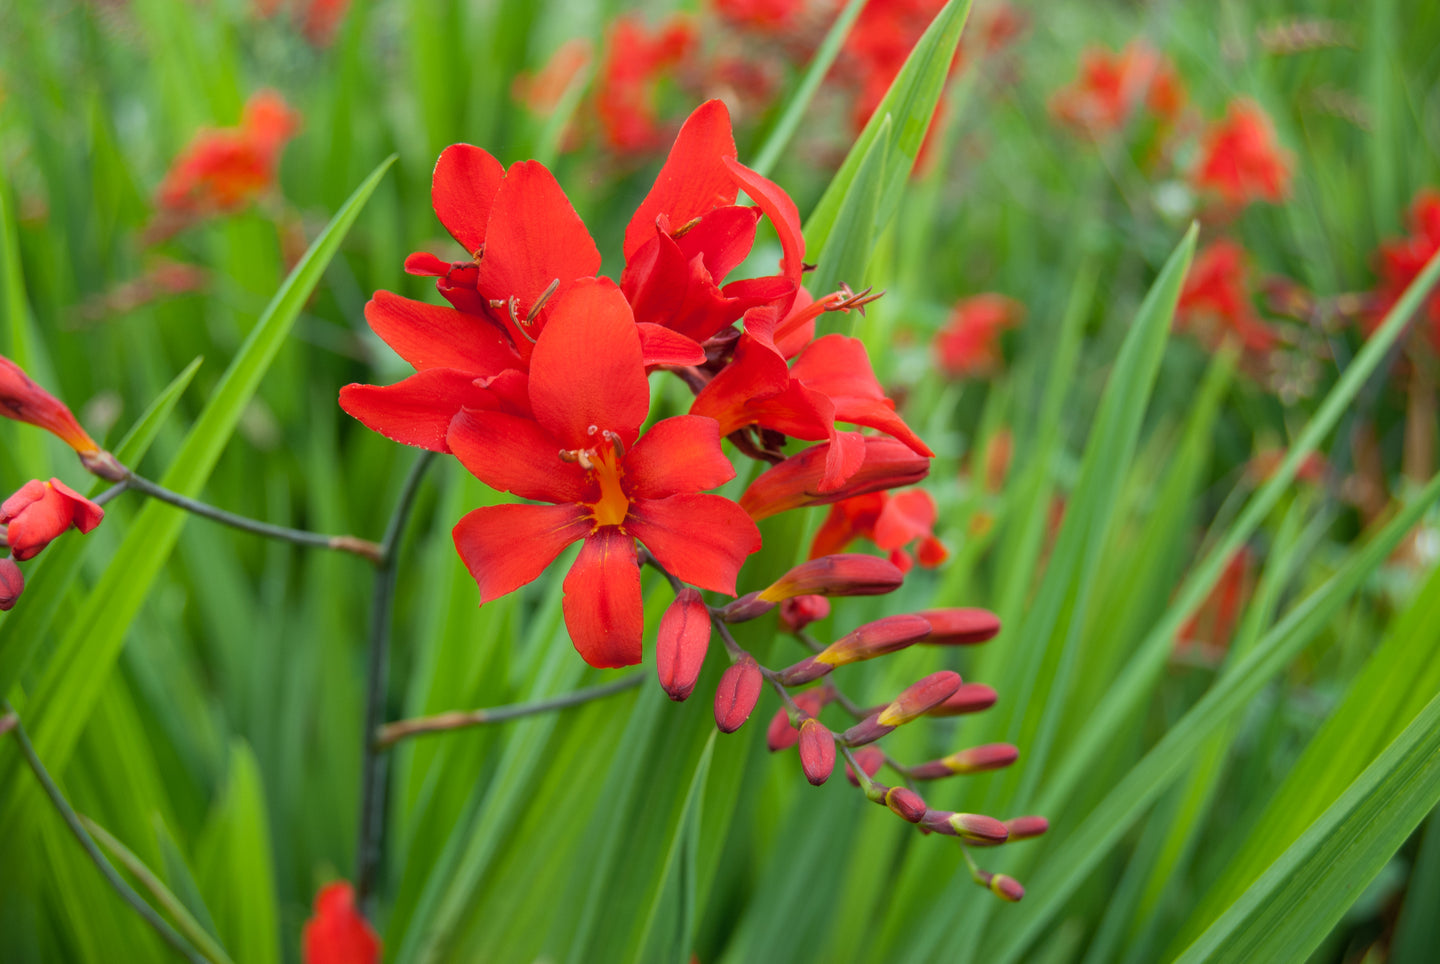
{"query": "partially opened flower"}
[(1215, 302), (1240, 159), (337, 933), (25, 401), (969, 344), (607, 484), (41, 511), (889, 521)]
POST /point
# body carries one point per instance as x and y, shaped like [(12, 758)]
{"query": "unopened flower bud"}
[(906, 804), (840, 574), (40, 511), (12, 583), (795, 482), (977, 759), (1023, 828), (919, 697), (884, 635), (1006, 888), (866, 731), (745, 608), (958, 626), (25, 401), (978, 829), (870, 759), (737, 694), (781, 735), (938, 821), (681, 642), (969, 698), (817, 751), (801, 611)]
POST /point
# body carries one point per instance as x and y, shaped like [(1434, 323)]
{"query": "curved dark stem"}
[(373, 769), (11, 721)]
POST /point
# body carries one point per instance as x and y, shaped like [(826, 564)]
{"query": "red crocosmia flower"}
[(634, 61), (526, 244), (1111, 88), (338, 934), (889, 521), (1402, 259), (541, 91), (320, 20), (876, 48), (796, 482), (1215, 300), (25, 401), (969, 344), (606, 484), (40, 511), (1240, 160), (223, 170), (760, 16)]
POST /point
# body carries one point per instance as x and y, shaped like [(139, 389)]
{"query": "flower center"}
[(602, 463)]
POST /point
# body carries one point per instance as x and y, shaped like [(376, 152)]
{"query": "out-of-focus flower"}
[(25, 401), (1240, 159), (337, 933), (969, 344), (576, 444), (1400, 261), (541, 91), (1211, 628), (12, 583), (40, 511), (759, 16), (635, 59), (1215, 301), (223, 170), (882, 38), (166, 278), (1266, 462), (889, 521), (320, 20), (1111, 89)]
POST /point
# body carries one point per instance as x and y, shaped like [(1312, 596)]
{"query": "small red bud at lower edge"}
[(961, 627), (817, 751), (870, 758), (969, 698), (839, 574), (1023, 828), (906, 804), (737, 694), (680, 644), (12, 583)]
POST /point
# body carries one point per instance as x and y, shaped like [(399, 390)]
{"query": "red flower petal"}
[(701, 539), (781, 211), (85, 514), (661, 346), (907, 515), (337, 933), (587, 368), (464, 187), (679, 454), (535, 237), (693, 180), (798, 480), (840, 368), (429, 336), (416, 411), (603, 609), (723, 238), (515, 455), (426, 265), (507, 546)]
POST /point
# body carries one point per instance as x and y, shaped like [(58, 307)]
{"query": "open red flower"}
[(582, 452), (40, 511), (338, 934), (1111, 89), (1215, 300), (1402, 259), (889, 521), (969, 344), (1241, 161)]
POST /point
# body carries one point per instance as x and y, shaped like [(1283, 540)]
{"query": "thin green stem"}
[(72, 820)]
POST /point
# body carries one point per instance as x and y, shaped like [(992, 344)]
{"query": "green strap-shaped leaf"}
[(852, 240)]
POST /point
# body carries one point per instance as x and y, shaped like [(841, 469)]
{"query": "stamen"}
[(550, 289), (618, 445)]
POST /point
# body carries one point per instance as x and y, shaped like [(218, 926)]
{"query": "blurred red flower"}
[(542, 90), (1212, 627), (338, 934), (760, 16), (883, 36), (1215, 300), (1240, 159), (635, 59), (40, 511), (1400, 261), (969, 344), (1111, 88)]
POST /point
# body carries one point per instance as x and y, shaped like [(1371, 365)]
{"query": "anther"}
[(550, 289)]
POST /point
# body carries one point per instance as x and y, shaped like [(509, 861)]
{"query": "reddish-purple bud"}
[(1023, 828), (681, 642), (807, 670), (979, 829), (969, 698), (885, 635), (747, 607), (796, 482), (12, 583), (781, 735), (817, 751), (920, 697), (841, 574), (958, 627), (870, 759), (737, 694), (1006, 888), (938, 821), (978, 759), (866, 731), (906, 803), (797, 613)]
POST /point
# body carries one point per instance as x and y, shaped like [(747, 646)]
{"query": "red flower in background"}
[(1212, 627), (760, 16), (1215, 300), (969, 344), (1240, 159), (1111, 89), (889, 521), (1401, 260), (882, 38), (541, 91), (338, 934), (574, 441), (635, 60), (223, 170), (41, 511)]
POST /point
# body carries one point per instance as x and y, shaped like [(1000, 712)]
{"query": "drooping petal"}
[(587, 368), (840, 368), (701, 539), (534, 238), (693, 180), (515, 455), (679, 454), (416, 411), (781, 211), (603, 609), (463, 190), (661, 346), (431, 336), (426, 265), (507, 546)]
